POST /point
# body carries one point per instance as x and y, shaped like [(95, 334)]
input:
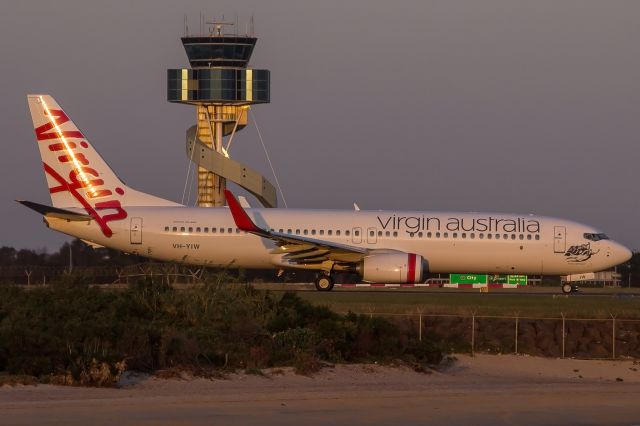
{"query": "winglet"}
[(242, 219)]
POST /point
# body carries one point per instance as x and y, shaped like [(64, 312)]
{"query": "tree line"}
[(24, 266)]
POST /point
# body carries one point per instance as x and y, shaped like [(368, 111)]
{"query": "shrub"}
[(73, 334)]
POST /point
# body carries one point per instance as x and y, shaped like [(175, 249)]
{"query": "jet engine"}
[(394, 268)]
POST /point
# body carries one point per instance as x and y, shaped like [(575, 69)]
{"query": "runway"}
[(531, 291)]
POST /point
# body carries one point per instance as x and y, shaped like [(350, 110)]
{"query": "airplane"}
[(90, 202)]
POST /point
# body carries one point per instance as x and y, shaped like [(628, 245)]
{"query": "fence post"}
[(473, 333), (517, 320), (563, 333), (613, 336)]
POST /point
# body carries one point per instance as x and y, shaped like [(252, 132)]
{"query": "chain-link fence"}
[(170, 273), (587, 338)]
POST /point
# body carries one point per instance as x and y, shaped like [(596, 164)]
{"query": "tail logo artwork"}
[(83, 182)]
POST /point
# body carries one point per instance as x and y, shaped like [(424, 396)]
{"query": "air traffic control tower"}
[(222, 88)]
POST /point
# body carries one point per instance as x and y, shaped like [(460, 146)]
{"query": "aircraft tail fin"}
[(77, 176)]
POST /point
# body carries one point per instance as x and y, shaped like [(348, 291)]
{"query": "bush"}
[(73, 334)]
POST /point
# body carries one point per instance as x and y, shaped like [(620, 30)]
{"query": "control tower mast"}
[(222, 88)]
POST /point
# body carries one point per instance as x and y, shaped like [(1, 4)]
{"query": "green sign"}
[(498, 279), (508, 279), (468, 278), (518, 279)]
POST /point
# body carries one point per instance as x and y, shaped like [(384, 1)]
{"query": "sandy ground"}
[(485, 390)]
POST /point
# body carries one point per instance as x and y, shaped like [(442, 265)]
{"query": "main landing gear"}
[(324, 282), (568, 288)]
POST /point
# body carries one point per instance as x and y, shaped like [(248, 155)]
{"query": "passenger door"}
[(559, 239), (136, 230)]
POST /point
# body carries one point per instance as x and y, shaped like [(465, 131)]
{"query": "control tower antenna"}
[(222, 88)]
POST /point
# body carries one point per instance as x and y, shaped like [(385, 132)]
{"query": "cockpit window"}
[(595, 237)]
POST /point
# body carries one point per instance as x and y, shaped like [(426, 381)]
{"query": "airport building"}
[(221, 87), (603, 278)]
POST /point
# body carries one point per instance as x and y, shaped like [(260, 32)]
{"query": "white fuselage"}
[(449, 242)]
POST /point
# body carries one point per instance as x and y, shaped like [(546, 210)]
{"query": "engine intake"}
[(392, 268)]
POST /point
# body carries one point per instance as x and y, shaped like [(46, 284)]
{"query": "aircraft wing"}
[(296, 249)]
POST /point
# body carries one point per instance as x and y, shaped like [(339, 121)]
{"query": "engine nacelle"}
[(392, 268)]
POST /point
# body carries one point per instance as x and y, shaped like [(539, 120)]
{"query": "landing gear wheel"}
[(567, 288), (324, 283)]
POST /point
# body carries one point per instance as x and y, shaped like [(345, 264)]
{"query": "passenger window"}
[(537, 237), (175, 229), (297, 232), (356, 233), (347, 233), (322, 232), (521, 237), (313, 232), (238, 230), (379, 233), (222, 230), (281, 231), (206, 229), (528, 236), (166, 229), (505, 237), (337, 232), (306, 232), (428, 234), (497, 236), (388, 234), (489, 236), (182, 229), (288, 231), (330, 232), (446, 235), (437, 235), (513, 236), (420, 234), (455, 235), (198, 229), (464, 235), (230, 230), (190, 229), (472, 235), (372, 233), (395, 233), (481, 236)]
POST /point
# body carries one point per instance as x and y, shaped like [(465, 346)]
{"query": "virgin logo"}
[(82, 176)]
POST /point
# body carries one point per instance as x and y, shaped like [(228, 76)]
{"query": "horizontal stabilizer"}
[(49, 211)]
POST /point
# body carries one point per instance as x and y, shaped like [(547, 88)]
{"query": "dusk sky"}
[(495, 106)]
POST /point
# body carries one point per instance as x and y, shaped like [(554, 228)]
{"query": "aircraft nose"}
[(620, 254)]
